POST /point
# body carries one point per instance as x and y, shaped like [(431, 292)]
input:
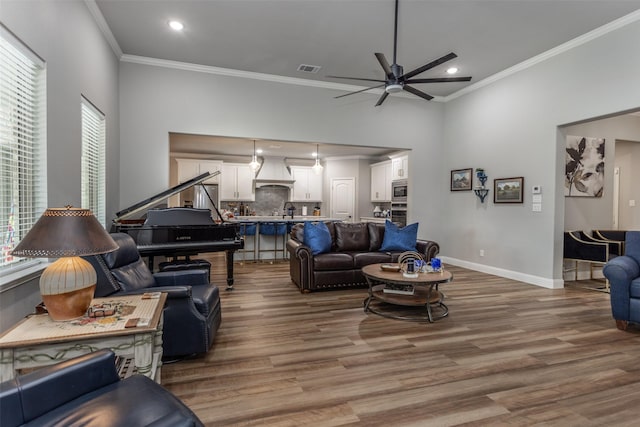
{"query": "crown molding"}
[(571, 44), (104, 27), (208, 69)]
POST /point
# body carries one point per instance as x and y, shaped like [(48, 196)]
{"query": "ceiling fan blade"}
[(358, 91), (430, 65), (439, 80), (385, 64), (382, 98), (418, 93), (356, 78)]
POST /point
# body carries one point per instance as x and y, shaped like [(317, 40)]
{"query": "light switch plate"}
[(536, 207)]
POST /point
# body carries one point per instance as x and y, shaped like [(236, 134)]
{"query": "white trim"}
[(509, 274), (578, 41), (22, 275), (208, 69), (104, 27)]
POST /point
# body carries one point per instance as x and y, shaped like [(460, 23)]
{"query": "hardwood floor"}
[(508, 354)]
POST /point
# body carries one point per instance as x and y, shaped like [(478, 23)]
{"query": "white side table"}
[(38, 340)]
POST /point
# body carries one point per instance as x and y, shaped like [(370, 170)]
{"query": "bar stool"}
[(272, 228), (248, 229)]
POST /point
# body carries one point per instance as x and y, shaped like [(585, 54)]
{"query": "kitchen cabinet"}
[(381, 182), (400, 168), (190, 168), (307, 186), (236, 182)]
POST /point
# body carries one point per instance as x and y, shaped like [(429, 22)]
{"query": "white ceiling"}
[(274, 37)]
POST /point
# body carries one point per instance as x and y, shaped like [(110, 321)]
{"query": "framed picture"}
[(461, 179), (584, 167), (508, 190)]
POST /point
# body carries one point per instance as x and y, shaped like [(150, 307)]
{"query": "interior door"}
[(343, 200)]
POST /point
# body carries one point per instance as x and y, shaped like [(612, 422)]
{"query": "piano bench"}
[(190, 264)]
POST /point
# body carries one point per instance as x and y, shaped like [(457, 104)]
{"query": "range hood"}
[(273, 171)]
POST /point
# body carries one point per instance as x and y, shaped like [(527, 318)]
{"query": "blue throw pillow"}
[(399, 239), (317, 237)]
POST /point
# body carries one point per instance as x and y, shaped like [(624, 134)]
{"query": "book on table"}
[(397, 288)]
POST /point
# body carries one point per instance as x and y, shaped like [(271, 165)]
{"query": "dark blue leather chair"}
[(623, 273), (192, 314), (87, 391)]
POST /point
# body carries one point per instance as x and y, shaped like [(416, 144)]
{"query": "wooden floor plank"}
[(508, 354)]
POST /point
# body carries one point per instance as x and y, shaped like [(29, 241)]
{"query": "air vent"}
[(308, 68)]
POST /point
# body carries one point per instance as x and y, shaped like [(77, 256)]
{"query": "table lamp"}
[(68, 284)]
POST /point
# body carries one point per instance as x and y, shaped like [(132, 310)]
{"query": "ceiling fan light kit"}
[(393, 88), (396, 80)]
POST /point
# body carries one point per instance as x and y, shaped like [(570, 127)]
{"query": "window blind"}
[(22, 144), (93, 160)]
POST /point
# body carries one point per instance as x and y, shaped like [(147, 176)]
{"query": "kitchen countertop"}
[(273, 218)]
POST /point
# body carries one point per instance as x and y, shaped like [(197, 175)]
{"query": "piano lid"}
[(164, 195)]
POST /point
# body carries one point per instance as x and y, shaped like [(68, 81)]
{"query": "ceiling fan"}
[(395, 78)]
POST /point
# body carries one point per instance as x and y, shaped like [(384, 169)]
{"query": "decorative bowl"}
[(390, 267)]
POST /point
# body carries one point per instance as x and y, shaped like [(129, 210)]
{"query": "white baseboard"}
[(509, 274)]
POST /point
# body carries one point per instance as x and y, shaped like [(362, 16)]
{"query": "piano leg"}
[(229, 270)]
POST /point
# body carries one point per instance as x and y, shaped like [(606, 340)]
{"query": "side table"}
[(38, 340)]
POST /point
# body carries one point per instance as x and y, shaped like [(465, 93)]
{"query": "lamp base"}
[(70, 305)]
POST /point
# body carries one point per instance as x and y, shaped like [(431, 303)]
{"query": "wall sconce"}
[(480, 190)]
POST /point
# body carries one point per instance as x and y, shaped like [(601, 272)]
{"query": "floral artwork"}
[(584, 167)]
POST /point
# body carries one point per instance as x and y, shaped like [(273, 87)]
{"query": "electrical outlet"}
[(481, 252)]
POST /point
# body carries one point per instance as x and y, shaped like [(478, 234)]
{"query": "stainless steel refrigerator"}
[(196, 196)]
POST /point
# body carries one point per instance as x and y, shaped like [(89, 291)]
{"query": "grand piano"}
[(179, 232)]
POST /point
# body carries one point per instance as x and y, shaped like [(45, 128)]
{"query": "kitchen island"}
[(265, 236)]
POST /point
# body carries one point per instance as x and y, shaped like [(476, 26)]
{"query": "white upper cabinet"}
[(381, 182), (190, 168), (400, 168), (307, 186), (236, 182)]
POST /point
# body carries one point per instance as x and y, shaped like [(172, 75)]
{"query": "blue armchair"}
[(623, 273), (192, 314), (87, 391)]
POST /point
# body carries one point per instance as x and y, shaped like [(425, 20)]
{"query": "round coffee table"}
[(425, 292)]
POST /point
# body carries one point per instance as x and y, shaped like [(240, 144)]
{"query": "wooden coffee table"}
[(426, 293)]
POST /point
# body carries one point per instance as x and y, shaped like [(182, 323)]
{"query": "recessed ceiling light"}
[(452, 70), (176, 25)]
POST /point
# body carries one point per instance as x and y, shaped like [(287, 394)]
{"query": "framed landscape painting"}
[(508, 190), (461, 179)]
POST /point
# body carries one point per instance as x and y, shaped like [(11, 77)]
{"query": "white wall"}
[(156, 101), (511, 129), (79, 62), (588, 213)]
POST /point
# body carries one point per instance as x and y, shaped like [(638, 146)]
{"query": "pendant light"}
[(254, 165), (317, 168)]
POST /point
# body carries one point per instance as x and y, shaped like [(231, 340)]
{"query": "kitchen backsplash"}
[(270, 199)]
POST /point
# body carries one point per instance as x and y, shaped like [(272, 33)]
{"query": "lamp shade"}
[(63, 232), (67, 285)]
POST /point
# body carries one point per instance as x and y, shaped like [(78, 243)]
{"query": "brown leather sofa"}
[(353, 245)]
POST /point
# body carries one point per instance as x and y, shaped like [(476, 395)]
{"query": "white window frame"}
[(23, 150), (93, 161)]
